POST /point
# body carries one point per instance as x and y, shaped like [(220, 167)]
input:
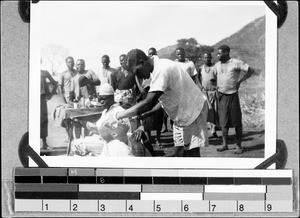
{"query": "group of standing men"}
[(189, 98)]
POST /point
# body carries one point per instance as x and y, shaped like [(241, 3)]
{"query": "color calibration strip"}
[(152, 190)]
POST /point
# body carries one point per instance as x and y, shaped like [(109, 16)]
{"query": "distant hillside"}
[(247, 44), (166, 51)]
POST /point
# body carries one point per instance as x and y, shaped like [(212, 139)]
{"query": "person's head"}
[(152, 51), (138, 63), (111, 132), (106, 95), (83, 81), (80, 65), (223, 53), (122, 59), (207, 58), (105, 61), (70, 62), (180, 54)]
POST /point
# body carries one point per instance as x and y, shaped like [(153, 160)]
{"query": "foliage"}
[(193, 50), (55, 55)]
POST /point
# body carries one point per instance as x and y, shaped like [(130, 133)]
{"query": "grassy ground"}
[(252, 103)]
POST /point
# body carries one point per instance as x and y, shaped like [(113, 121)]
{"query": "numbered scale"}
[(152, 190)]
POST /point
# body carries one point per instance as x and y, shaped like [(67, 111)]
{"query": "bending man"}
[(169, 84)]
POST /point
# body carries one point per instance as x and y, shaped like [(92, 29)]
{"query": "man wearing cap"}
[(169, 83)]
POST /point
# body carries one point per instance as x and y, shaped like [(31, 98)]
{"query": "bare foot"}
[(238, 150), (223, 148)]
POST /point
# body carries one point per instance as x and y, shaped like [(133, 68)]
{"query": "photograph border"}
[(139, 162)]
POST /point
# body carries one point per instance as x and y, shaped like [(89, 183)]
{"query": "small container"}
[(75, 105)]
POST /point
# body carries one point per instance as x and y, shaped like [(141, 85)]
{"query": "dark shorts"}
[(154, 122), (229, 110)]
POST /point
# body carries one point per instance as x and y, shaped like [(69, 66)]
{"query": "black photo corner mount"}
[(25, 151), (24, 9), (279, 8)]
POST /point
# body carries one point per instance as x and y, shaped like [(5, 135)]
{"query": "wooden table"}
[(85, 114)]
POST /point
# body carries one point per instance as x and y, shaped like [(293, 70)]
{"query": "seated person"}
[(93, 144), (116, 141)]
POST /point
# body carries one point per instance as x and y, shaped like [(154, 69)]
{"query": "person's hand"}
[(81, 122), (112, 119), (137, 135)]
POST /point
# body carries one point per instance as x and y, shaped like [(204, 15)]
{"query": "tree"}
[(193, 50), (55, 56)]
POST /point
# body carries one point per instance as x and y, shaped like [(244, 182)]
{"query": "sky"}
[(90, 29)]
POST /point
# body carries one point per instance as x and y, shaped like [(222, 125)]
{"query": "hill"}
[(247, 44)]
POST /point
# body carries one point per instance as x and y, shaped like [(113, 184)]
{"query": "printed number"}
[(158, 208), (241, 207), (213, 207), (102, 207), (102, 180), (75, 207), (130, 208), (269, 207), (46, 206), (186, 207)]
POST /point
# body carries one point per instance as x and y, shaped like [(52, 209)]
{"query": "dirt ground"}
[(252, 142)]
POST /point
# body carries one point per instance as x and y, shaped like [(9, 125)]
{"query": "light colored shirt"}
[(228, 74), (106, 76), (181, 99), (208, 73), (188, 66), (116, 148), (65, 81)]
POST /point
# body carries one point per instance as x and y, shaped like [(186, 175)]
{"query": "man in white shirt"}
[(185, 63), (178, 95), (106, 74)]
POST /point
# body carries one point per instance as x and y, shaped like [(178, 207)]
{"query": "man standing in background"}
[(187, 65), (107, 74), (208, 84), (229, 110), (125, 92), (65, 80)]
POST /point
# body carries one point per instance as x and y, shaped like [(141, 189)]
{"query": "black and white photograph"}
[(183, 84)]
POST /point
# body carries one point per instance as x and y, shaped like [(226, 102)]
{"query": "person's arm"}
[(95, 80), (152, 111), (140, 107), (199, 80), (53, 82), (60, 85), (249, 73)]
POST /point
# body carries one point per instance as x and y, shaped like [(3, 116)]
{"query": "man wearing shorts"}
[(169, 83), (229, 110)]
